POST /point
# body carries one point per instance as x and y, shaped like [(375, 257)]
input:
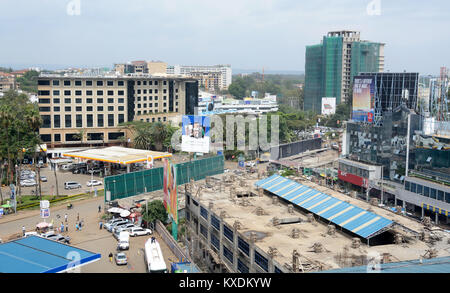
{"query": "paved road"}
[(90, 238)]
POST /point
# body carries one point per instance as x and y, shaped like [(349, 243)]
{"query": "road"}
[(90, 238)]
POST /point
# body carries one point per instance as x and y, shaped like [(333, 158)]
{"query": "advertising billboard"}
[(195, 137), (170, 189), (363, 99), (328, 106)]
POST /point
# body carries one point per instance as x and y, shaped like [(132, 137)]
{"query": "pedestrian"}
[(80, 225), (67, 228), (23, 230), (110, 257), (76, 226), (62, 227), (99, 208), (78, 217), (65, 217), (101, 225)]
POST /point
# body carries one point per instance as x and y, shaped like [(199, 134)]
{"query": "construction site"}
[(242, 222)]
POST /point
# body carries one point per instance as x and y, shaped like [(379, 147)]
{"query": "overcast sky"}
[(248, 34)]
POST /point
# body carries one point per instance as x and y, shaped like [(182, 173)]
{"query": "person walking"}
[(76, 226), (78, 217), (101, 225), (99, 208), (23, 230), (110, 256), (62, 227), (65, 218), (67, 228)]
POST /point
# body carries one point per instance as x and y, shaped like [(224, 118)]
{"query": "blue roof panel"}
[(325, 205)]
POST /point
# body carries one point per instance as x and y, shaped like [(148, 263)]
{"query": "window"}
[(100, 119), (78, 101), (115, 135), (89, 100), (46, 137), (100, 100), (68, 121), (203, 231), (99, 108), (228, 254), (426, 191), (77, 82), (215, 241), (440, 195), (99, 82), (89, 120), (261, 261), (110, 93), (407, 185), (242, 268), (120, 93), (195, 202), (67, 93), (204, 213), (413, 187), (79, 120), (67, 83), (88, 93), (156, 82), (121, 118), (447, 197), (57, 137), (277, 271), (120, 83), (68, 109), (121, 108), (56, 109), (165, 82), (99, 93), (43, 93), (89, 108), (228, 233), (188, 216), (110, 108), (56, 93), (44, 101), (419, 189), (88, 82), (55, 82), (110, 83), (46, 121), (77, 93), (110, 100), (243, 246), (138, 82), (433, 193), (43, 82), (72, 137), (94, 136), (67, 100), (110, 119), (79, 109)]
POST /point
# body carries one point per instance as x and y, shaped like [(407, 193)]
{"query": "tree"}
[(28, 82), (155, 211), (159, 133)]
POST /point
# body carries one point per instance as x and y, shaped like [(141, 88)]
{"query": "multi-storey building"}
[(97, 105), (331, 66), (223, 80)]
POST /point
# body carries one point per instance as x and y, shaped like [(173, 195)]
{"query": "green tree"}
[(28, 82), (159, 134), (155, 211)]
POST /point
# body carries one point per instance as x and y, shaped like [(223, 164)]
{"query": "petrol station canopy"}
[(118, 155)]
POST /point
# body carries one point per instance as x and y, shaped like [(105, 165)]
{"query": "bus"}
[(154, 258)]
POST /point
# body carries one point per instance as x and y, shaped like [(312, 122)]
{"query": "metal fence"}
[(171, 242), (131, 184)]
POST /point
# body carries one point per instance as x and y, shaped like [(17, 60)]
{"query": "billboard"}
[(363, 99), (195, 137), (170, 189), (328, 106)]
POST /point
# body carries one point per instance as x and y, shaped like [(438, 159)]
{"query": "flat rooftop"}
[(115, 154), (337, 249)]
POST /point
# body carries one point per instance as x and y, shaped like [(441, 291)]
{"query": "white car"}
[(125, 227), (28, 183), (138, 231), (93, 183), (108, 226)]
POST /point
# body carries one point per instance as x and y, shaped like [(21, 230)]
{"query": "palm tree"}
[(159, 133)]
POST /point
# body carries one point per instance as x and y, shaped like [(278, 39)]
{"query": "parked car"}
[(111, 222), (49, 234), (124, 241), (138, 231), (120, 258), (93, 183), (32, 233), (125, 227), (67, 167), (44, 178), (94, 171), (28, 183), (60, 238), (119, 224), (71, 185), (111, 227)]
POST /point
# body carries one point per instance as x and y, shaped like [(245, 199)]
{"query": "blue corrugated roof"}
[(341, 213), (434, 265), (39, 255)]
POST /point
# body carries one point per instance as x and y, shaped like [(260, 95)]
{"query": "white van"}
[(154, 257), (124, 240)]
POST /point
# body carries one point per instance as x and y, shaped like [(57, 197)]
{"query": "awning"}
[(435, 209), (350, 217)]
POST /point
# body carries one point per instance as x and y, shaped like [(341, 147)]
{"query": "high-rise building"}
[(98, 104), (220, 75), (331, 66)]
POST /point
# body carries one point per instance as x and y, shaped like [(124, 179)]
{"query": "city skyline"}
[(247, 34)]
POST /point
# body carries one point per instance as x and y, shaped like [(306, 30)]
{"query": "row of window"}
[(57, 82), (428, 191), (354, 170), (46, 120), (150, 82), (80, 101), (80, 109), (76, 137), (80, 93)]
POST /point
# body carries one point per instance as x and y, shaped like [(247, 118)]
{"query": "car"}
[(67, 167), (111, 222), (28, 183), (93, 183), (60, 238), (112, 226), (138, 231), (44, 178), (49, 234), (119, 225), (32, 233), (124, 241), (120, 258), (95, 171), (125, 227), (71, 185)]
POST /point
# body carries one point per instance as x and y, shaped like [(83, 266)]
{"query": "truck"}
[(124, 240), (154, 258)]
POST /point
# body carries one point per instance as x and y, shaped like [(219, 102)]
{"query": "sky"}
[(248, 34)]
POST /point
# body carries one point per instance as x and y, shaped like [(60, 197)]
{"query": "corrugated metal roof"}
[(39, 255), (341, 213), (434, 265)]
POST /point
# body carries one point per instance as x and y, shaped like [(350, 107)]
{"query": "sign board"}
[(363, 99), (44, 204), (45, 213), (195, 137), (328, 106), (149, 162), (170, 189)]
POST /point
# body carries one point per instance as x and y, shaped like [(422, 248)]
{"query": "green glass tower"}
[(331, 66)]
